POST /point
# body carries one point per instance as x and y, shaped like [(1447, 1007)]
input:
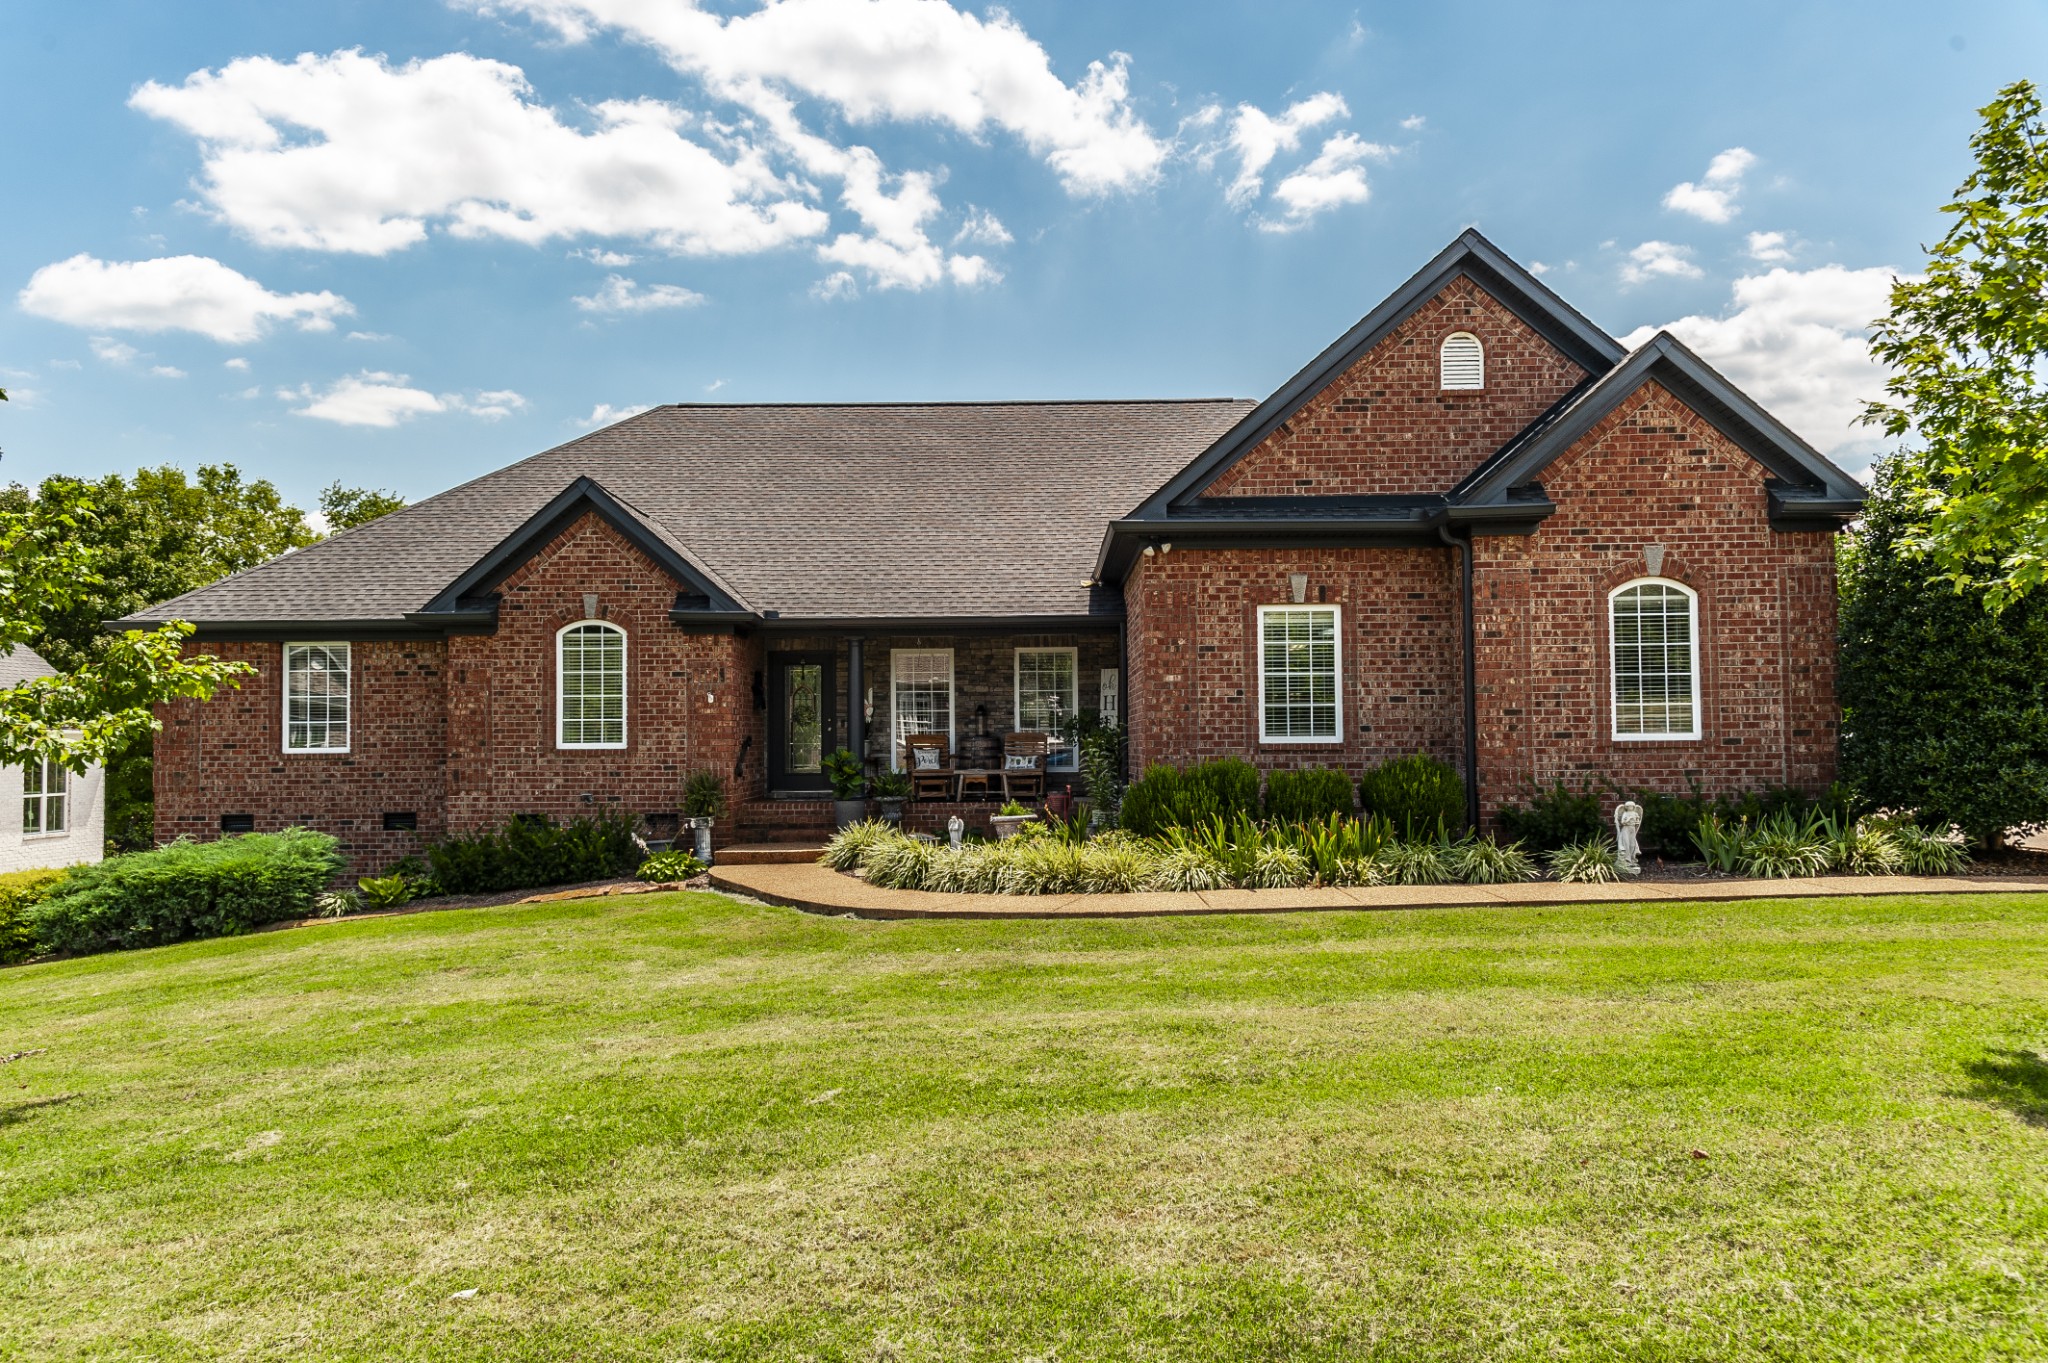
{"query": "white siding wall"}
[(85, 839)]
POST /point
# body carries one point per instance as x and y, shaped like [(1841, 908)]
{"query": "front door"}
[(802, 715)]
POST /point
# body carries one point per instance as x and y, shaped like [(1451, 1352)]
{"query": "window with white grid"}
[(1654, 633), (920, 695), (1299, 695), (44, 786), (591, 686), (1049, 696), (316, 697)]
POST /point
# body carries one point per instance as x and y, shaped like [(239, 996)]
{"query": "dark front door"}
[(803, 709)]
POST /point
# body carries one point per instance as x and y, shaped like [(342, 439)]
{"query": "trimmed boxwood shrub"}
[(19, 892), (532, 851), (1310, 795), (185, 890), (1557, 817), (1419, 795), (1169, 797)]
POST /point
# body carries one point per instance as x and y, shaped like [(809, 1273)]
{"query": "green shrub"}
[(1167, 797), (1861, 847), (1310, 795), (1187, 868), (186, 890), (899, 863), (384, 892), (844, 850), (704, 796), (19, 891), (1922, 853), (1419, 795), (663, 867), (1782, 847), (1102, 766), (1555, 817), (1591, 861), (1115, 867), (1482, 861), (532, 851), (1418, 862), (1341, 850)]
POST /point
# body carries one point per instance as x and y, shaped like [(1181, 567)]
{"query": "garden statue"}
[(1628, 851), (955, 827)]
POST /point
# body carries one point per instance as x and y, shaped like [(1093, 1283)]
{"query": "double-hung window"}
[(1049, 697), (920, 695), (1300, 692), (44, 786), (316, 697), (590, 686), (1654, 640)]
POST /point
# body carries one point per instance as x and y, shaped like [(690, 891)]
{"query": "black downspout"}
[(856, 683), (1464, 548)]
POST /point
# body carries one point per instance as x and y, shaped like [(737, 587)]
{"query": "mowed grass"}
[(683, 1127)]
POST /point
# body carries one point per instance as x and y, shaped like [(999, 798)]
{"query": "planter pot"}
[(892, 808), (1006, 825), (702, 829), (846, 812)]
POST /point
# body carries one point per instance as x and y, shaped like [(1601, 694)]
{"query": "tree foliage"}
[(348, 507), (1967, 343), (1944, 705)]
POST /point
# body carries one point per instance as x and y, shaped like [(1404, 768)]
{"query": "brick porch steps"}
[(770, 853)]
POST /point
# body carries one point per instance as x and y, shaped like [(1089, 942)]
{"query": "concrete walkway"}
[(820, 890)]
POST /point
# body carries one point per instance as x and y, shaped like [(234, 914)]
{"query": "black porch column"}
[(856, 715)]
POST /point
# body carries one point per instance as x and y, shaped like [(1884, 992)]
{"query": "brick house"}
[(1474, 525)]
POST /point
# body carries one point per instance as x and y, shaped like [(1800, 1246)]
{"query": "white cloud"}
[(111, 351), (1334, 178), (369, 336), (1713, 199), (167, 371), (1659, 260), (610, 260), (1795, 340), (904, 61), (376, 398), (714, 385), (835, 286), (982, 228), (1772, 248), (621, 294), (173, 293), (1413, 123), (604, 414), (1257, 137), (348, 153), (238, 363)]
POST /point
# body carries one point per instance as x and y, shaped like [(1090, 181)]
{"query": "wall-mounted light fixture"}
[(1297, 586)]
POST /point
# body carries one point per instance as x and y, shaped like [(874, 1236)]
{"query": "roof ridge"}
[(944, 402)]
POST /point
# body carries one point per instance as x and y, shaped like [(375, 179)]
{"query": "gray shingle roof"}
[(815, 512), (24, 664)]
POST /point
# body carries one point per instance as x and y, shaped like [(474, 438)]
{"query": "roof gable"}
[(1471, 256)]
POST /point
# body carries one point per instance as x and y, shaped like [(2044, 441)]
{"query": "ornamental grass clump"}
[(1115, 867), (900, 863), (1277, 867), (844, 850), (1925, 853), (1782, 847), (1187, 867), (1482, 861), (1418, 862), (1589, 861), (1860, 847)]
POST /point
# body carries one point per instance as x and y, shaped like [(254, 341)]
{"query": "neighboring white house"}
[(58, 819)]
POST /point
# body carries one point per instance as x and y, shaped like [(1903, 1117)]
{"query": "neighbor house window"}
[(316, 697), (590, 691), (920, 695), (1299, 698), (1049, 697), (1463, 361), (43, 787), (1655, 641)]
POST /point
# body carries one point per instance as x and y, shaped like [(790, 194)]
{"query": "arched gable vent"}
[(1463, 361)]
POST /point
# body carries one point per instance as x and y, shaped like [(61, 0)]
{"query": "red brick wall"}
[(1655, 473), (1386, 426), (227, 756), (1193, 638)]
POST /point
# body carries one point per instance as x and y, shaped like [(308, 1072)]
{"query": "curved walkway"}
[(819, 890)]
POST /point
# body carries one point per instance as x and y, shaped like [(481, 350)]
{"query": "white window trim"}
[(63, 793), (348, 654), (1444, 345), (1259, 662), (625, 690), (1614, 680), (896, 735), (1067, 759)]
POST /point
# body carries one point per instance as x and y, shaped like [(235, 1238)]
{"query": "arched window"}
[(1463, 361), (590, 686), (1654, 646)]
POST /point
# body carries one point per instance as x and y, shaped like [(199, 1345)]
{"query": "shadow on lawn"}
[(20, 1112), (2015, 1080)]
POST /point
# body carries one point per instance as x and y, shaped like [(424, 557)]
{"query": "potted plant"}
[(849, 780), (703, 803), (892, 788), (1011, 817)]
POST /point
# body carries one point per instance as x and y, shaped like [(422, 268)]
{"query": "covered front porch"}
[(868, 691)]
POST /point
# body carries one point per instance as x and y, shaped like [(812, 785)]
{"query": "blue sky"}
[(399, 244)]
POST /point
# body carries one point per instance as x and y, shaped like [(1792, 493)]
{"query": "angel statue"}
[(1628, 850)]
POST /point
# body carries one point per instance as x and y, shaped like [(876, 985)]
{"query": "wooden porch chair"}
[(1024, 765), (931, 778)]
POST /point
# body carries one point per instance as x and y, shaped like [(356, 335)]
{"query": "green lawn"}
[(681, 1127)]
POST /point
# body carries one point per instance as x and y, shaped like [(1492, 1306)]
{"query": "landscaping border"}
[(819, 889)]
